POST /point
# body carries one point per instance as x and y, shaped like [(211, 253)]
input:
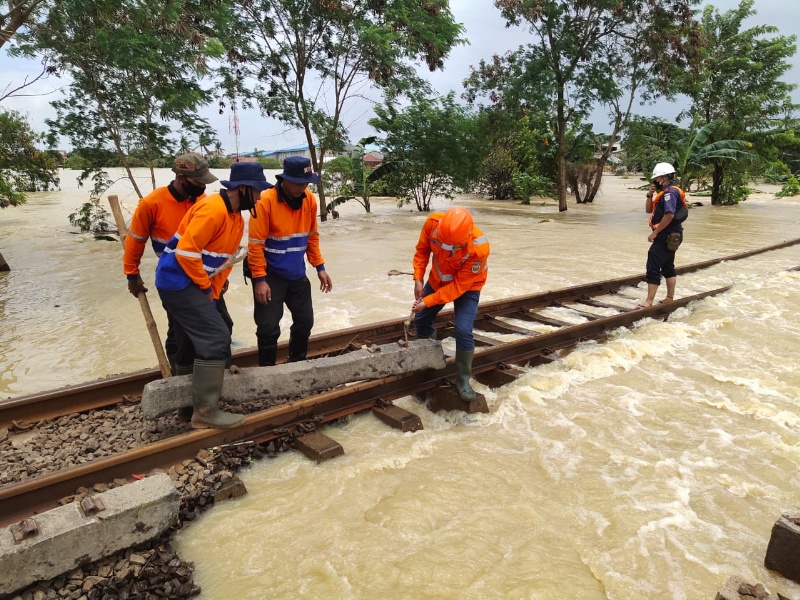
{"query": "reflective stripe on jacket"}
[(279, 237), (157, 217), (453, 271), (208, 235)]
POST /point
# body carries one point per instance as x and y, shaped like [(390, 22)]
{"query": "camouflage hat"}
[(194, 166)]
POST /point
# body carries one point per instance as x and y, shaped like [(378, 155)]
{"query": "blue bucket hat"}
[(297, 169), (247, 173)]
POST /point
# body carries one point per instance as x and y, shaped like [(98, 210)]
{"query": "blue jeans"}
[(465, 308)]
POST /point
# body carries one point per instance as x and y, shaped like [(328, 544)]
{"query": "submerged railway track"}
[(516, 331)]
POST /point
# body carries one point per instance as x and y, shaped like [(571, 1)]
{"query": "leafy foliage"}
[(23, 166), (583, 54), (648, 141), (134, 67), (526, 185), (437, 141), (790, 188), (700, 153), (312, 58), (356, 180), (91, 217), (738, 83), (19, 12), (497, 173)]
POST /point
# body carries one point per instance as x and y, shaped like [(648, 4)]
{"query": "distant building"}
[(281, 154), (373, 159)]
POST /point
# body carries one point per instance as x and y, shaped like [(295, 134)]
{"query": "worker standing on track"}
[(282, 233), (458, 273), (157, 217), (208, 236), (667, 211)]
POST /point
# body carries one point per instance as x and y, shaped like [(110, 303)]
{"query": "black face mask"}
[(294, 202), (247, 199), (191, 190)]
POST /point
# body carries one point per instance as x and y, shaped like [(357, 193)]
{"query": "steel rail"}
[(110, 390), (23, 499)]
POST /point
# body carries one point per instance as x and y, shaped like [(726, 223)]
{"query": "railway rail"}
[(539, 325)]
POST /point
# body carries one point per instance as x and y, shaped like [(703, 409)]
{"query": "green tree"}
[(23, 166), (19, 12), (438, 142), (356, 179), (313, 58), (738, 82), (700, 153), (585, 54), (134, 67), (650, 140)]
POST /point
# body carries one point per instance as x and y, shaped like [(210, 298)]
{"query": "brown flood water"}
[(651, 465)]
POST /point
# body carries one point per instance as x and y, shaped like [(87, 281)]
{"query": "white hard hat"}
[(662, 169)]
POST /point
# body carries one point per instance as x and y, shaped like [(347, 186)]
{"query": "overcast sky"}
[(486, 33)]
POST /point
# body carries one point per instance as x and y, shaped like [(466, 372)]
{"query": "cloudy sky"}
[(485, 31)]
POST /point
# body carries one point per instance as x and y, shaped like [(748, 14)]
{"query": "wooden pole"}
[(163, 362)]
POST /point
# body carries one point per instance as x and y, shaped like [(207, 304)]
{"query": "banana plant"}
[(363, 177), (699, 155)]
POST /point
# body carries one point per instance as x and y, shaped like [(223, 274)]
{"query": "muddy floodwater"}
[(651, 465)]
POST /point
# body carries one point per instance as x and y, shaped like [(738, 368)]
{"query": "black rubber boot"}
[(464, 366), (298, 347), (267, 355), (206, 392), (184, 412)]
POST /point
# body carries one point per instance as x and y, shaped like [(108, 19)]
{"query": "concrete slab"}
[(75, 534), (166, 395)]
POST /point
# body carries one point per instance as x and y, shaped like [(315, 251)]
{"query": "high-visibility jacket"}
[(208, 235), (279, 237), (455, 271), (157, 217)]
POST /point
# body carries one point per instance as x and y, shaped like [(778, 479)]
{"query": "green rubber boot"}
[(206, 392), (464, 366), (184, 412)]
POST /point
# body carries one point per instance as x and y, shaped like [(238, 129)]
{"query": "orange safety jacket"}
[(453, 272), (208, 235), (279, 238), (157, 217)]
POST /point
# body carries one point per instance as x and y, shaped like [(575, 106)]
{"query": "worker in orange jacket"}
[(190, 277), (157, 217), (458, 252), (281, 235)]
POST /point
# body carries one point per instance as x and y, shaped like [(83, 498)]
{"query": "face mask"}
[(191, 190), (247, 199), (294, 202)]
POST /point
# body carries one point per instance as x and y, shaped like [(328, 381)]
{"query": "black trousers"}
[(200, 330), (296, 295), (171, 344), (660, 260)]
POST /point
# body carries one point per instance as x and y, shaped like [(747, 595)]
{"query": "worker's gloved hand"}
[(135, 286)]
